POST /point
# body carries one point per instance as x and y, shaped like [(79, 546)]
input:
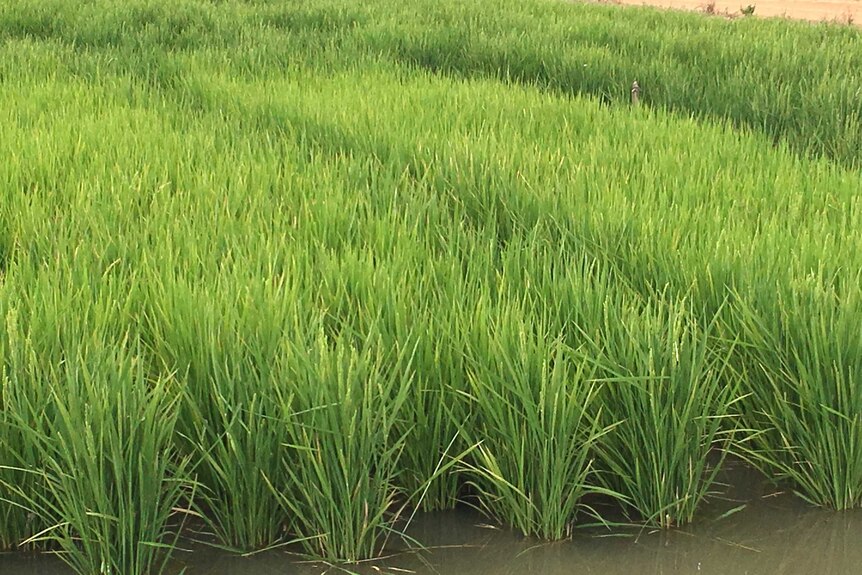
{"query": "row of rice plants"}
[(802, 389), (796, 82), (317, 295), (90, 462)]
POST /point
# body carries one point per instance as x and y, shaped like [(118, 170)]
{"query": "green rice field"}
[(291, 272)]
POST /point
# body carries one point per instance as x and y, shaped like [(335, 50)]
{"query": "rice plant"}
[(342, 498), (670, 393), (535, 427), (20, 389), (231, 420), (804, 401), (321, 250), (108, 483), (429, 421)]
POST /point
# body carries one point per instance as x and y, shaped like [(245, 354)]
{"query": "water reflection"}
[(774, 533)]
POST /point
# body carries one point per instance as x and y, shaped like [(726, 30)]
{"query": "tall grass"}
[(804, 401), (20, 389), (431, 415), (95, 460), (670, 392), (321, 250), (225, 347), (111, 480), (534, 424), (793, 81), (342, 497)]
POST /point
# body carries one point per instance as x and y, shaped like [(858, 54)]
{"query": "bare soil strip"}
[(838, 11)]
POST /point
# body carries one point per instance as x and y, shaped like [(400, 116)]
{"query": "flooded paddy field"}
[(772, 533), (291, 270)]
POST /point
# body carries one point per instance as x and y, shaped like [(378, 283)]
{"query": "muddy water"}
[(775, 533)]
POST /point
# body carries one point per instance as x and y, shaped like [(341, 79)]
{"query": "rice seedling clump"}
[(285, 274)]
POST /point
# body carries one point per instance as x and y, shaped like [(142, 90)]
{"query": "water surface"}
[(775, 533)]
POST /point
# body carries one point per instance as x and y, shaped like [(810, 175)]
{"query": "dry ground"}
[(840, 11)]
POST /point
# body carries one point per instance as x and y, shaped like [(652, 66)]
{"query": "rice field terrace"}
[(293, 272)]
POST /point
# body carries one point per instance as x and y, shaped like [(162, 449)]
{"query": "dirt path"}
[(841, 11)]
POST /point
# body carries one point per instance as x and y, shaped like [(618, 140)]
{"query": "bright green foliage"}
[(231, 418), (804, 389), (667, 393), (20, 392), (432, 414), (341, 495), (532, 419), (320, 250), (94, 455)]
